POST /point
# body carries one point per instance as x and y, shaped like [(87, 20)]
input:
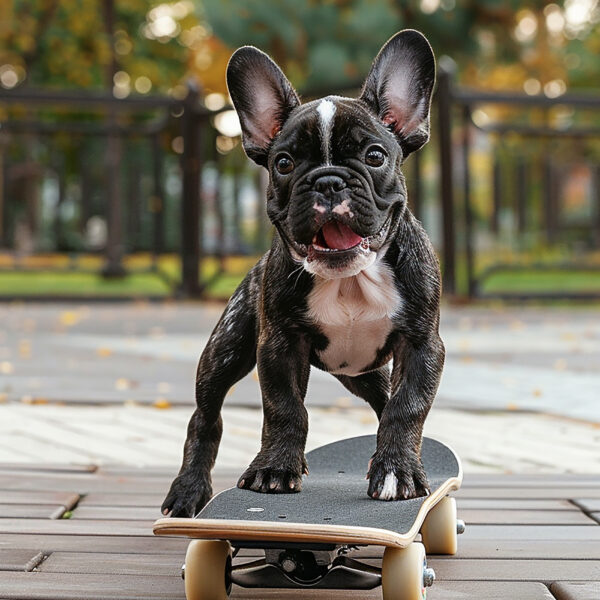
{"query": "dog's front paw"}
[(187, 496), (270, 480), (397, 479)]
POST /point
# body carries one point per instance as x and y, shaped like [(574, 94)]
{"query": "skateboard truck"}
[(318, 569)]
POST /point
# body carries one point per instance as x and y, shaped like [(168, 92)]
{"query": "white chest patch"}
[(355, 315)]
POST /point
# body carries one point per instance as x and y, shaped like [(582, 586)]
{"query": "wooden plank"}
[(87, 483), (61, 586), (576, 590), (19, 560), (115, 563), (67, 586), (76, 527), (30, 468), (441, 590), (483, 590), (545, 571), (531, 479), (588, 504), (444, 590), (508, 504), (66, 499), (100, 543), (119, 513), (526, 549), (550, 493), (525, 517), (31, 511), (557, 533), (116, 499)]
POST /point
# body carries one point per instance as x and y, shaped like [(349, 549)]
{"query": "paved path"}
[(540, 359), (112, 384)]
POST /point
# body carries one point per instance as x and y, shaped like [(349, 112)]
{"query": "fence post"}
[(191, 246), (444, 105)]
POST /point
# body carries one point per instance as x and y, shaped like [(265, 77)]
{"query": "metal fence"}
[(526, 173), (509, 184), (101, 181)]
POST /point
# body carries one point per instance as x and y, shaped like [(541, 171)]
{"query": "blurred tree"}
[(498, 43), (67, 43)]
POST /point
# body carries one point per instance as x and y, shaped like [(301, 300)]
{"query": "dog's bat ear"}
[(263, 99), (399, 85)]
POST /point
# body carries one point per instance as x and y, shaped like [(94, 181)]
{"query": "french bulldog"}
[(350, 285)]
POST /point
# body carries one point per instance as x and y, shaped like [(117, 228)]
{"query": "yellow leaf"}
[(162, 403), (6, 368), (69, 318), (122, 384)]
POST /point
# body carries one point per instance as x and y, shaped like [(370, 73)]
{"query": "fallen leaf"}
[(6, 368), (122, 384), (69, 318), (33, 400), (343, 401), (560, 364), (104, 352), (162, 403)]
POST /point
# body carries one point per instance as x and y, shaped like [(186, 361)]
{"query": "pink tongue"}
[(338, 236)]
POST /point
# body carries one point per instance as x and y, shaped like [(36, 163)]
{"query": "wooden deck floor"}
[(527, 538)]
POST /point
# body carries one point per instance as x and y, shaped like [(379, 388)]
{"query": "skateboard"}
[(306, 540)]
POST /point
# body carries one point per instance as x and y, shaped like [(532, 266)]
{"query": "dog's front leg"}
[(283, 369), (229, 355), (396, 470)]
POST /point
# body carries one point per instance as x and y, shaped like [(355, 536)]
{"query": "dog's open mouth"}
[(335, 236), (336, 243)]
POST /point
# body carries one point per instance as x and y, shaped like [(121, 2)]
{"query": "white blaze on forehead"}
[(326, 110)]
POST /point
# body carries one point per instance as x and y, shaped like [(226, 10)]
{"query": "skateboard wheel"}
[(403, 571), (207, 570), (439, 530)]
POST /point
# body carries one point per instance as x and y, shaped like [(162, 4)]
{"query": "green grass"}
[(43, 281), (77, 284), (542, 282), (19, 283)]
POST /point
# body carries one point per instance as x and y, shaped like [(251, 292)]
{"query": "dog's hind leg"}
[(229, 355), (373, 387)]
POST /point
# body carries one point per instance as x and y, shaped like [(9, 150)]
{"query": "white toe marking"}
[(388, 492)]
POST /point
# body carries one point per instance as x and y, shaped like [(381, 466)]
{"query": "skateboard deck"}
[(332, 509)]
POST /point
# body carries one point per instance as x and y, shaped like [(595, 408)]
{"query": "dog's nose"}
[(329, 183)]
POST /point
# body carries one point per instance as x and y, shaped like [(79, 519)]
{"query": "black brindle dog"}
[(351, 283)]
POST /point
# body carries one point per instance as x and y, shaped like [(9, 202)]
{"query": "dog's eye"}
[(284, 164), (375, 156)]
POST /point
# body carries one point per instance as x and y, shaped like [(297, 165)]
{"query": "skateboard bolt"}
[(460, 526), (288, 565), (428, 577)]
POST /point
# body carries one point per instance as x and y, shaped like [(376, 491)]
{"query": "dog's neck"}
[(370, 295)]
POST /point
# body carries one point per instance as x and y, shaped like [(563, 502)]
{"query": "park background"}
[(122, 174), (129, 213)]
